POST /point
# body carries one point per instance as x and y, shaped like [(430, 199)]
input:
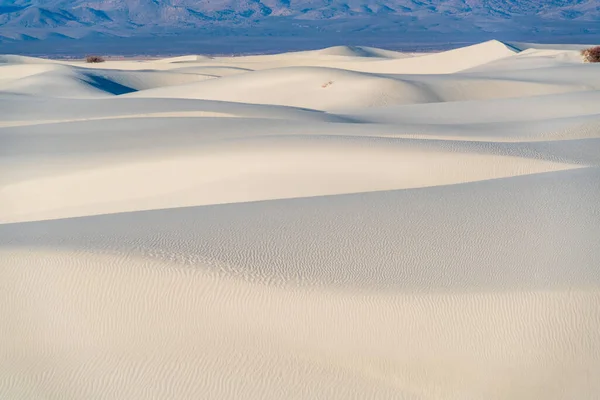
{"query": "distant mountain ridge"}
[(33, 19)]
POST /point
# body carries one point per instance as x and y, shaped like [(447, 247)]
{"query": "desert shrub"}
[(94, 59), (591, 55)]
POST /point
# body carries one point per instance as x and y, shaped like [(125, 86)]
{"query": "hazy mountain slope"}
[(123, 16)]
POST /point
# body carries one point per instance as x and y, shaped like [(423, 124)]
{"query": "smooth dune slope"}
[(347, 223), (338, 90)]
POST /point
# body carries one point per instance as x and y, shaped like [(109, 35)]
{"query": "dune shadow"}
[(108, 86)]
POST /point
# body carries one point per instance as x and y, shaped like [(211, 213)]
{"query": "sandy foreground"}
[(347, 223)]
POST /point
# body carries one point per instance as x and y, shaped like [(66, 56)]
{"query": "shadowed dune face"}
[(341, 223)]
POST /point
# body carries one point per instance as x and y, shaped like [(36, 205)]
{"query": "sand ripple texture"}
[(347, 223)]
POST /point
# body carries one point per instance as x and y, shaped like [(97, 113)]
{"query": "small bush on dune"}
[(94, 59), (591, 55)]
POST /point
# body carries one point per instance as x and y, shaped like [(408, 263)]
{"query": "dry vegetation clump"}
[(94, 59), (591, 55)]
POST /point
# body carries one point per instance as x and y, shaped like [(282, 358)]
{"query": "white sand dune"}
[(19, 60), (72, 82), (340, 223), (308, 87), (184, 59), (34, 110), (530, 109), (365, 60), (250, 169), (342, 51), (335, 89)]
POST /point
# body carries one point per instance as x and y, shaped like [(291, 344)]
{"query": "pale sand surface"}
[(349, 223)]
